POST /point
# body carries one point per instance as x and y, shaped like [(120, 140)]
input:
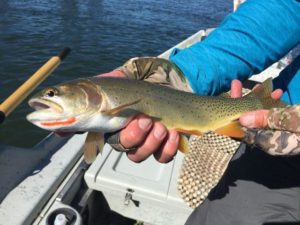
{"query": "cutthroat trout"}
[(100, 105)]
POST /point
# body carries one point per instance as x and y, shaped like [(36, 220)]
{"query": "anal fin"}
[(232, 129), (183, 145), (93, 144)]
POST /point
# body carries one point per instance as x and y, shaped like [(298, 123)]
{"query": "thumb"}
[(255, 119)]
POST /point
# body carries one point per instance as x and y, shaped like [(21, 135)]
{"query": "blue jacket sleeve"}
[(259, 33)]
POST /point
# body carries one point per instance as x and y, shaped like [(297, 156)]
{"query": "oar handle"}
[(28, 86)]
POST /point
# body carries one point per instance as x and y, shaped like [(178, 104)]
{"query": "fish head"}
[(66, 107)]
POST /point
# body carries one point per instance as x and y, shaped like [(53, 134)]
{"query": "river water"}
[(102, 34)]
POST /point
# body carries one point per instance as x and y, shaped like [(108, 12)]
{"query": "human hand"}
[(275, 131), (145, 136), (142, 136), (282, 133), (254, 119)]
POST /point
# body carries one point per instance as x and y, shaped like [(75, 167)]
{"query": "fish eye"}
[(51, 92)]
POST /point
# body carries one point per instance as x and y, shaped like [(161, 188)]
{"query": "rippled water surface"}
[(102, 35)]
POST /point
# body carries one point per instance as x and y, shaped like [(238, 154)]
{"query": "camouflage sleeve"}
[(283, 137), (155, 70), (287, 119)]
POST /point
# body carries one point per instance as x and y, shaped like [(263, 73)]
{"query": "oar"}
[(28, 86)]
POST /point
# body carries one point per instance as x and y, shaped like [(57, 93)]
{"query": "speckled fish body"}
[(102, 105), (95, 97), (176, 109)]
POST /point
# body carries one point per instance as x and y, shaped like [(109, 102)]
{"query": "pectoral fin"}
[(93, 144), (232, 129), (117, 110)]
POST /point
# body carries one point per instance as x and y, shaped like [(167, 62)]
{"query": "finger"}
[(114, 73), (276, 94), (169, 149), (135, 132), (236, 89), (152, 143), (255, 119), (256, 86)]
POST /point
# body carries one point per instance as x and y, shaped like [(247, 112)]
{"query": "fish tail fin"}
[(93, 144), (263, 92)]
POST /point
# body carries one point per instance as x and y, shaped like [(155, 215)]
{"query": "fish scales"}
[(100, 105), (174, 107)]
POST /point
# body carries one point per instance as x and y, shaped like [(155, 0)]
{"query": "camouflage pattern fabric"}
[(156, 70), (283, 135)]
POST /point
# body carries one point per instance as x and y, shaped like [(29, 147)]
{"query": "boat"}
[(51, 184)]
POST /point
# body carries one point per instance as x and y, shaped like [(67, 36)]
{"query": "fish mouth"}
[(50, 115), (40, 105), (44, 111)]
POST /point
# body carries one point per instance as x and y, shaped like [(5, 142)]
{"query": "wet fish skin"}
[(103, 104), (176, 109)]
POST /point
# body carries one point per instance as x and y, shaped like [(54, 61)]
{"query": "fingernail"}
[(159, 132), (173, 136), (248, 120), (144, 123)]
